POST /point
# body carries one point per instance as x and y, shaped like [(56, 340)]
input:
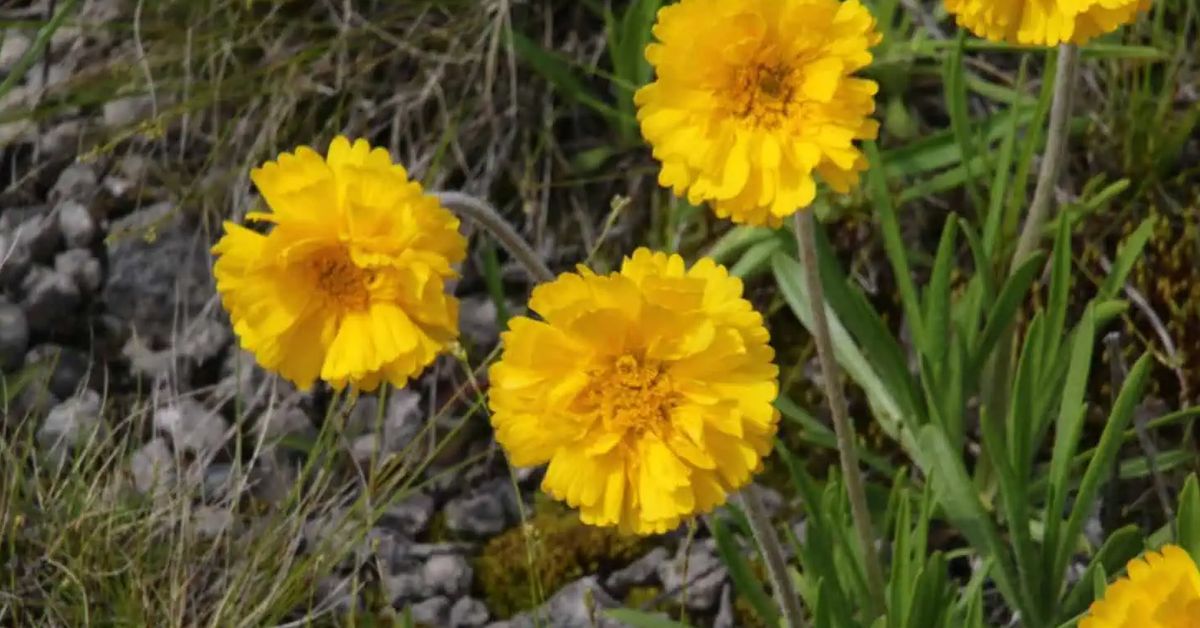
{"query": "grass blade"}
[(1101, 464), (893, 244)]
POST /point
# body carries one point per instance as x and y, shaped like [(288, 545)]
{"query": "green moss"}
[(562, 549), (639, 597)]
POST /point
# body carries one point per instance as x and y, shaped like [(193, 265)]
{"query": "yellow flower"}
[(649, 391), (1044, 22), (349, 284), (1161, 590), (754, 97)]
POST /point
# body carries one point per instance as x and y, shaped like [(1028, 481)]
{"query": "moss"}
[(563, 550), (639, 597)]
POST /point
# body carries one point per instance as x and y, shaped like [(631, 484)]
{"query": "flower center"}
[(631, 396), (339, 280), (763, 94)]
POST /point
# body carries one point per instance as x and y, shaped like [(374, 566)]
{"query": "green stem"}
[(773, 556), (1056, 144), (482, 213), (831, 377)]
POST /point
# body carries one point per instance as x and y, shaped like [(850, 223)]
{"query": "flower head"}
[(1161, 590), (349, 284), (649, 391), (1044, 22), (754, 97)]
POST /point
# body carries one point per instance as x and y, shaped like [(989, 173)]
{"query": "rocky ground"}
[(111, 332)]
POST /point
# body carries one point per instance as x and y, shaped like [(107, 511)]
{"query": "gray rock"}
[(39, 232), (403, 588), (577, 605), (70, 424), (402, 418), (468, 612), (288, 417), (78, 183), (153, 467), (410, 516), (640, 572), (477, 320), (705, 575), (16, 43), (69, 367), (14, 336), (210, 521), (432, 612), (124, 112), (82, 267), (482, 513), (76, 223), (158, 275), (725, 617), (51, 300), (63, 138), (218, 482), (14, 259), (191, 426), (447, 574), (197, 342)]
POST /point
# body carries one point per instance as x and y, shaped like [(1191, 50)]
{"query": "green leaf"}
[(957, 495), (757, 258), (1120, 547), (1060, 287), (1012, 294), (893, 244), (741, 574), (1100, 466), (817, 433), (639, 619), (737, 240), (1127, 255), (789, 277), (1187, 522), (37, 48), (954, 79), (1069, 424), (937, 296), (559, 73), (1004, 164), (872, 334)]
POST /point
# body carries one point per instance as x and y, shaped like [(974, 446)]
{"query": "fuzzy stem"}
[(831, 377), (1056, 144), (482, 213), (772, 550)]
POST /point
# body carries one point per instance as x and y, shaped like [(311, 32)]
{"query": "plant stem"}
[(487, 217), (772, 549), (831, 376), (1056, 145)]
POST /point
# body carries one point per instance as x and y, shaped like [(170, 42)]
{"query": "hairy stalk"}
[(772, 549), (1056, 145), (998, 369), (483, 214), (831, 376)]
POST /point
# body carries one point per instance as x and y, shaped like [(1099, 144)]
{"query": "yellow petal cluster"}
[(753, 98), (1044, 22), (348, 285), (648, 391), (1160, 590)]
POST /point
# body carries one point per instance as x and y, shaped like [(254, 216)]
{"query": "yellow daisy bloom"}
[(754, 97), (1160, 590), (649, 391), (349, 284), (1044, 22)]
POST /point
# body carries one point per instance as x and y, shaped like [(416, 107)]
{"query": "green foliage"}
[(562, 550)]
